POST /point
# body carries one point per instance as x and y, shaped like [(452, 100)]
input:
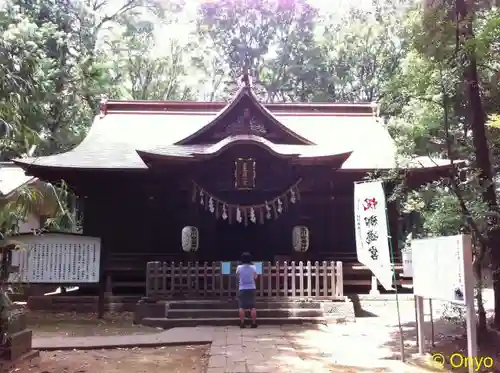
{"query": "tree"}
[(139, 72), (362, 53), (439, 101), (50, 80), (465, 39), (276, 40)]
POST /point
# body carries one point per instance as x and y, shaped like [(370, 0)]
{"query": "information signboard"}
[(57, 258), (442, 266), (442, 270)]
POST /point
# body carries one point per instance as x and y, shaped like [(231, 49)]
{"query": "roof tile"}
[(114, 139), (12, 177)]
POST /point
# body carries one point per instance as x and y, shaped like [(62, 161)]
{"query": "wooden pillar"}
[(332, 240), (329, 227), (106, 222), (102, 280), (96, 222)]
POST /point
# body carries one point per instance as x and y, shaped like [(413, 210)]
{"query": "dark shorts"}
[(246, 299)]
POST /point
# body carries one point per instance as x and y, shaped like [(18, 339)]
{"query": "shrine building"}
[(242, 173)]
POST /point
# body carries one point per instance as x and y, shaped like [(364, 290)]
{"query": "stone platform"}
[(169, 314)]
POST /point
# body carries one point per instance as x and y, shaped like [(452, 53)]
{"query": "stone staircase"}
[(169, 314)]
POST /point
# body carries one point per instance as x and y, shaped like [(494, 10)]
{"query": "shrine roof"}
[(125, 130), (114, 139), (12, 177)]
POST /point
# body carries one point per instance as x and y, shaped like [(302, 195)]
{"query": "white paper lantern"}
[(190, 239), (300, 238)]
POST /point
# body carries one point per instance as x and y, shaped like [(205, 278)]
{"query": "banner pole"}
[(391, 258), (395, 283)]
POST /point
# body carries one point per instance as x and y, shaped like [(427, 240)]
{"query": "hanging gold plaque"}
[(244, 173)]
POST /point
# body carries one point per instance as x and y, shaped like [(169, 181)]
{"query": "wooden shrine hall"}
[(206, 181)]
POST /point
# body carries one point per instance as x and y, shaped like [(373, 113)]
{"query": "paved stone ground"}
[(301, 349), (368, 345), (371, 344)]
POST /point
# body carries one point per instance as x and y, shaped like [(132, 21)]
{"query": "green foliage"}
[(27, 201), (432, 106), (440, 210), (50, 76), (58, 58), (50, 82), (362, 53), (137, 72), (276, 39)]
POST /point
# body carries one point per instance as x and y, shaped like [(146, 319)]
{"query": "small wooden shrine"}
[(161, 179)]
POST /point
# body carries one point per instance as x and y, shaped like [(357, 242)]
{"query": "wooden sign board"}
[(244, 173), (57, 259)]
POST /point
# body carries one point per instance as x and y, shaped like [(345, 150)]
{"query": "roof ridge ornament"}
[(246, 79)]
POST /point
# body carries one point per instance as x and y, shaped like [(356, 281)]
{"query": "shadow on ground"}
[(291, 349), (444, 338), (359, 311)]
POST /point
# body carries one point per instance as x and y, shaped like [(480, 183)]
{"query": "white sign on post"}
[(372, 238), (442, 269), (407, 262), (442, 266)]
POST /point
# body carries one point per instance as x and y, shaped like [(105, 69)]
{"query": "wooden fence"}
[(278, 279)]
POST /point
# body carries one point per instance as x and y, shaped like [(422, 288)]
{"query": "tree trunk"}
[(478, 272), (477, 122)]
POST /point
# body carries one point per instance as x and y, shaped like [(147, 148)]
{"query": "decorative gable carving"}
[(244, 116), (246, 124)]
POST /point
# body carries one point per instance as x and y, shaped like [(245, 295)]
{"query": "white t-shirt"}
[(246, 275)]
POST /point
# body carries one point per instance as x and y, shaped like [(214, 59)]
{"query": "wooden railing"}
[(278, 279)]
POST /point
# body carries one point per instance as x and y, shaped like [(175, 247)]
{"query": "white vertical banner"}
[(372, 238)]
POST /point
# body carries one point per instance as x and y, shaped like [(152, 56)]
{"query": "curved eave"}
[(150, 157), (242, 92), (438, 168), (414, 168), (333, 160), (34, 169)]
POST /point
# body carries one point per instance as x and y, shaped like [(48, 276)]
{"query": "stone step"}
[(173, 323), (233, 304), (231, 313)]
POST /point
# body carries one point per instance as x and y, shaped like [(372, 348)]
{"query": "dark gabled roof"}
[(246, 93), (125, 132), (129, 126)]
